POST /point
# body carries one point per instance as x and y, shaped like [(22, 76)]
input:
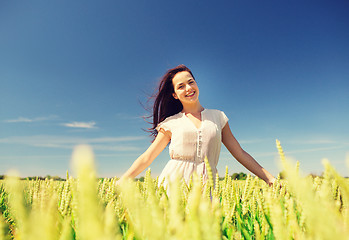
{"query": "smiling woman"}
[(194, 133)]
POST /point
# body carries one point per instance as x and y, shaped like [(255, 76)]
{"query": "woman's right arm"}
[(143, 161)]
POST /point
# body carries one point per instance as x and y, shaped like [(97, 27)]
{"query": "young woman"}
[(192, 131)]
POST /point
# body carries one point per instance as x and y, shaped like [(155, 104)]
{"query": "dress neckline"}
[(201, 121)]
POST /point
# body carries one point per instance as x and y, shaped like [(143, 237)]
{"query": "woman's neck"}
[(193, 108)]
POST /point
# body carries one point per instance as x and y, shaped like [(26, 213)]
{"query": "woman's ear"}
[(174, 95)]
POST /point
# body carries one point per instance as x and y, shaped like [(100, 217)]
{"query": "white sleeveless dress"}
[(190, 145)]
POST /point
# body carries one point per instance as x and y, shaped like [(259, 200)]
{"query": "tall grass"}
[(87, 208)]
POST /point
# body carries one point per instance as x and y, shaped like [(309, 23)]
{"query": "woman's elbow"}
[(145, 159), (237, 152)]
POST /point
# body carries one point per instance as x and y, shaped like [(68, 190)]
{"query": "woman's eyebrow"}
[(182, 83), (185, 81)]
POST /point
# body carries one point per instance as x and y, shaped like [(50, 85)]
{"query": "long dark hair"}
[(165, 104)]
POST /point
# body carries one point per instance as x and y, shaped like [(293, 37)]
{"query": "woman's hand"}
[(271, 182), (119, 182)]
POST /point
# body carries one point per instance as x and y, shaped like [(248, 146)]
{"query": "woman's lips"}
[(190, 94)]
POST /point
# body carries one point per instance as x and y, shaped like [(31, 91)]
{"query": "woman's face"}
[(185, 88)]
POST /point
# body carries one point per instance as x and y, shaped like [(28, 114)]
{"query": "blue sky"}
[(75, 72)]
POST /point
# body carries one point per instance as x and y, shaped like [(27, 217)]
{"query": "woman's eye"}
[(180, 87)]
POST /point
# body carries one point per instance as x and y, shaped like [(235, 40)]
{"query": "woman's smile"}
[(191, 94)]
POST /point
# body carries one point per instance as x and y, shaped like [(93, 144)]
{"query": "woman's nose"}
[(188, 87)]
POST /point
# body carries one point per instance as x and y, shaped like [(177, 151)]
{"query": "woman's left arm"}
[(243, 157)]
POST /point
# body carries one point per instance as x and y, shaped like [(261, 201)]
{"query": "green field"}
[(87, 208)]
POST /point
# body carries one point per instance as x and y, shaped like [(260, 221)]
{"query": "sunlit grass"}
[(87, 208)]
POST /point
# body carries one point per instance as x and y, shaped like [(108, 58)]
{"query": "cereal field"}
[(87, 208)]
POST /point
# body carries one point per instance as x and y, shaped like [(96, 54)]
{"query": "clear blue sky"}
[(75, 72)]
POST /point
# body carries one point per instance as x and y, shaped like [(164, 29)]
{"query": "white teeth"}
[(190, 94)]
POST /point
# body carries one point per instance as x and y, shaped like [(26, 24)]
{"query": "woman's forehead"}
[(181, 77)]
